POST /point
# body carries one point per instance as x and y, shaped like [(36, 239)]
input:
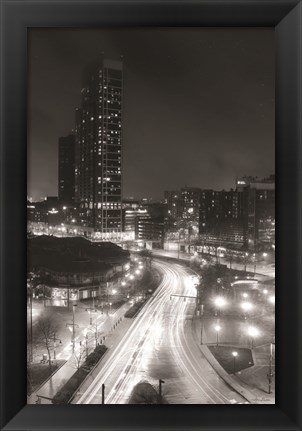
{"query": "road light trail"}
[(160, 330)]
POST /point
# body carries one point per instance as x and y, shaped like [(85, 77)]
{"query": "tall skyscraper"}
[(99, 148), (66, 169)]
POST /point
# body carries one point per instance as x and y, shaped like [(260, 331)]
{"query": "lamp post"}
[(160, 390), (54, 344), (220, 302), (245, 261), (246, 306), (272, 299), (235, 354), (270, 370), (30, 295), (255, 264), (73, 325), (217, 329), (252, 332)]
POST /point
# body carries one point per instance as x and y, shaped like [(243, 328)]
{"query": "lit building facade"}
[(259, 209), (98, 170), (173, 210), (150, 222), (66, 170)]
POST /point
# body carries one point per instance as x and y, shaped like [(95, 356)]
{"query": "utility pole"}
[(160, 390), (270, 372), (107, 291), (201, 321), (31, 325), (103, 393), (96, 333), (73, 325), (86, 344), (54, 344)]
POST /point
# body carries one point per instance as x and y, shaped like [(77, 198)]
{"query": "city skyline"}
[(185, 147), (138, 301)]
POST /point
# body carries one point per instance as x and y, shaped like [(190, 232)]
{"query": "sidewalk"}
[(112, 341), (250, 383), (59, 378)]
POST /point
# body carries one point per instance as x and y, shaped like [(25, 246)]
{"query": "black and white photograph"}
[(151, 215)]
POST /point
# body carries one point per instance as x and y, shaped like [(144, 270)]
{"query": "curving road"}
[(160, 345)]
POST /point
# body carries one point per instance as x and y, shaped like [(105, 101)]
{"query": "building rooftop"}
[(77, 255)]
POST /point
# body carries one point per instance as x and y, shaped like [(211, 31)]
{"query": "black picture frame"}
[(17, 16)]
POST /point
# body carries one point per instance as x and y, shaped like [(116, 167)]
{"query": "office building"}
[(98, 170), (259, 209), (66, 170)]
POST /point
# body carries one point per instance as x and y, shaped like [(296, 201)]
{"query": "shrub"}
[(64, 395)]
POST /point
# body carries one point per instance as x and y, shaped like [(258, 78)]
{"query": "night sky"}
[(198, 104)]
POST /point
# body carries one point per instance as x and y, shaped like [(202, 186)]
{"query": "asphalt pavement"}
[(159, 345)]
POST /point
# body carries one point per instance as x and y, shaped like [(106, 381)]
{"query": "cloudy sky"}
[(198, 105)]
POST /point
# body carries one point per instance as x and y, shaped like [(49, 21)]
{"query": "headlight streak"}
[(184, 356), (104, 374), (141, 341)]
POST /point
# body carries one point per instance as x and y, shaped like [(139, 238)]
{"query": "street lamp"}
[(246, 306), (245, 295), (265, 291), (220, 302), (217, 329), (255, 264), (73, 325), (235, 354), (245, 261), (54, 344), (272, 299), (270, 372), (252, 332)]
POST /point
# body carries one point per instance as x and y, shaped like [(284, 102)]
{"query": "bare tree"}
[(46, 333), (78, 359)]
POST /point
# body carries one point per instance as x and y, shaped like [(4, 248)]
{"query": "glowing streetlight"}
[(264, 254), (246, 306), (131, 277), (253, 332), (272, 299), (235, 354), (217, 329), (123, 283), (220, 302), (245, 295), (114, 291), (137, 271)]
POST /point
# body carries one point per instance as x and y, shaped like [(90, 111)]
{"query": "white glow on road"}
[(160, 322)]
